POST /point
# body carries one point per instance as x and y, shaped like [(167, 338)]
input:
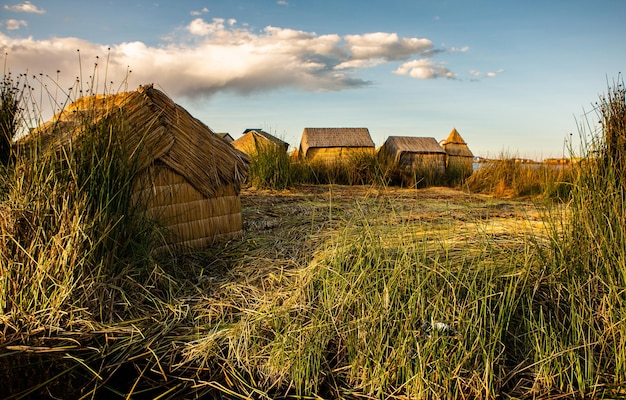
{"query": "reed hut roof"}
[(258, 136), (454, 145), (396, 145), (335, 137), (454, 137), (155, 130)]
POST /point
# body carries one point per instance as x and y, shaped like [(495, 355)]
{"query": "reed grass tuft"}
[(506, 177), (10, 98), (270, 168)]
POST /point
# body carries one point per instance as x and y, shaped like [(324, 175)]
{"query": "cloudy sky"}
[(513, 77)]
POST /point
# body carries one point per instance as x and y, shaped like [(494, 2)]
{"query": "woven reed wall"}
[(460, 150), (331, 155), (192, 219), (413, 161)]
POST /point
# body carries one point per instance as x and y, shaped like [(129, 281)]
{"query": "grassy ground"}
[(219, 321), (296, 282)]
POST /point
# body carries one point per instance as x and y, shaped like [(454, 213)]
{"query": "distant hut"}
[(254, 139), (329, 145), (188, 177), (460, 157), (226, 136), (414, 155)]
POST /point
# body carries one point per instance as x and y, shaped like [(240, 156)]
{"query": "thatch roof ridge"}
[(160, 130), (263, 134), (413, 144), (203, 158)]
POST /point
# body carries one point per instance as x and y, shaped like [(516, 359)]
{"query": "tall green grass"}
[(10, 97), (505, 177), (357, 169), (273, 168), (594, 246), (75, 259)]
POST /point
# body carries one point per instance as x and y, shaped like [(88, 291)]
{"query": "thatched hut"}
[(188, 177), (414, 154), (460, 157), (330, 145), (254, 139)]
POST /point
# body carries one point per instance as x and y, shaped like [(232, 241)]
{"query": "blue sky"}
[(512, 77)]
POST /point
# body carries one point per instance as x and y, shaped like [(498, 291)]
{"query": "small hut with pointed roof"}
[(254, 139), (328, 145), (460, 157), (414, 154), (187, 176)]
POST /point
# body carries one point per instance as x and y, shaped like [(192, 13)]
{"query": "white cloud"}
[(221, 55), (196, 13), (199, 27), (493, 74), (27, 7), (13, 24), (360, 64), (477, 74), (424, 69), (282, 3), (463, 49), (385, 45)]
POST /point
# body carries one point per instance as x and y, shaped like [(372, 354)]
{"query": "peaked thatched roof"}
[(410, 144), (335, 137), (155, 129), (258, 135), (454, 145), (454, 138)]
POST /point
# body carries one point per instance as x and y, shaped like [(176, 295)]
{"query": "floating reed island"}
[(333, 291)]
